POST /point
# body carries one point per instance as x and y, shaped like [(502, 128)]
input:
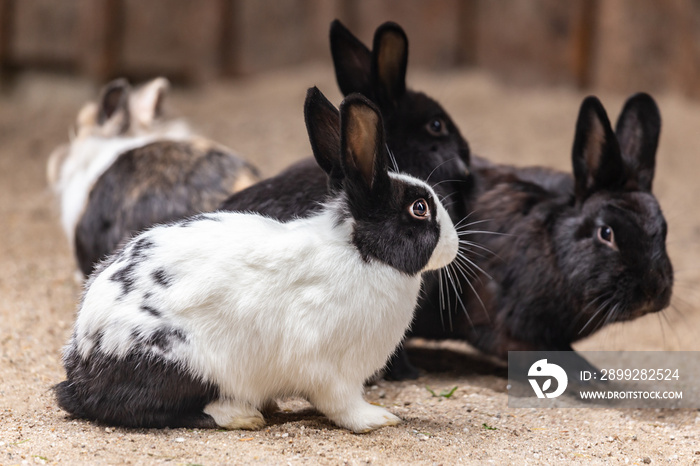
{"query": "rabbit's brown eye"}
[(437, 127), (420, 209), (606, 235)]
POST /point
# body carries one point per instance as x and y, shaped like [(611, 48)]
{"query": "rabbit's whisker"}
[(677, 300), (447, 181), (448, 279), (438, 166), (669, 324), (453, 269), (441, 297), (609, 316), (596, 313), (581, 314), (446, 196), (474, 245), (392, 158), (661, 327), (466, 250), (465, 270), (483, 232), (457, 298), (465, 218), (464, 258), (462, 227), (476, 294)]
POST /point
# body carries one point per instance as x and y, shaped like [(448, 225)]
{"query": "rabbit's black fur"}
[(571, 254)]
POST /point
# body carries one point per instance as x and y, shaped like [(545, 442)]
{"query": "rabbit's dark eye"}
[(420, 209), (606, 235), (437, 127)]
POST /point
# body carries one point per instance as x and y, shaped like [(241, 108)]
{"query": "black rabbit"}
[(570, 254), (420, 135)]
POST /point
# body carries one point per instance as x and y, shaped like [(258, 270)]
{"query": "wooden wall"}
[(624, 45)]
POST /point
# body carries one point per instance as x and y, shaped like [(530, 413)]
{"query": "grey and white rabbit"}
[(207, 321), (569, 254), (128, 167)]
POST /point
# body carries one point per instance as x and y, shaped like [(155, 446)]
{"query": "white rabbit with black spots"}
[(206, 322)]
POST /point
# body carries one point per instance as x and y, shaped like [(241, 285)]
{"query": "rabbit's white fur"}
[(268, 309)]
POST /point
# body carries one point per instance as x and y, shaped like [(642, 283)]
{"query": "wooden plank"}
[(529, 40), (320, 15), (689, 58), (44, 32), (101, 26), (637, 47), (432, 28), (267, 34), (585, 19), (467, 37), (178, 38), (6, 10)]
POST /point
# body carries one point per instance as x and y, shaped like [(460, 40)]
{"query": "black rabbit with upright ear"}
[(571, 254), (420, 135)]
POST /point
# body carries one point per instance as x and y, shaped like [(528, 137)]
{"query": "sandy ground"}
[(262, 118)]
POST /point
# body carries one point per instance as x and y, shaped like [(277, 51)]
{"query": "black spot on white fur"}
[(141, 247), (164, 338), (150, 310), (162, 278), (161, 339), (125, 277)]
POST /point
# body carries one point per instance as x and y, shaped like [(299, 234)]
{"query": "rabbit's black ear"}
[(323, 125), (114, 102), (596, 155), (352, 61), (389, 61), (363, 148), (637, 130)]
